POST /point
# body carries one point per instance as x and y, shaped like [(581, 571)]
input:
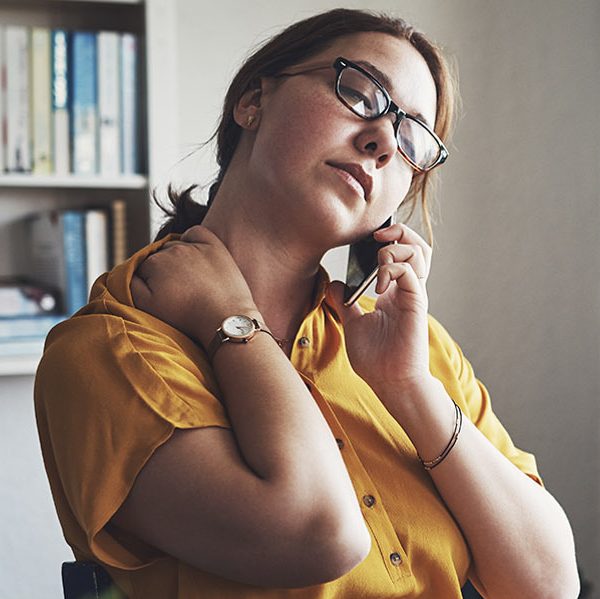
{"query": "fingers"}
[(403, 234), (411, 254), (404, 276), (406, 247)]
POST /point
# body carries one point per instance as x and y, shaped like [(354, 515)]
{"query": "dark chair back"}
[(88, 580)]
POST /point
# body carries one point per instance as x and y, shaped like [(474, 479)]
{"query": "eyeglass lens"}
[(367, 100)]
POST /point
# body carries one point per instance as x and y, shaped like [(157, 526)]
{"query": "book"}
[(21, 297), (67, 250), (118, 225), (41, 101), (57, 254), (84, 103), (109, 105), (17, 49), (129, 104), (60, 42), (96, 244), (73, 237)]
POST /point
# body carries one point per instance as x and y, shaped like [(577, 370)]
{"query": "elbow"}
[(316, 539), (335, 547), (564, 582), (561, 582), (347, 549), (564, 591), (552, 588), (568, 587), (573, 591)]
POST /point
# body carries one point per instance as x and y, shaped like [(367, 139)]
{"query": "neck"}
[(279, 269)]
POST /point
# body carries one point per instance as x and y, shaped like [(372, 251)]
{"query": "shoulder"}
[(82, 340), (103, 361)]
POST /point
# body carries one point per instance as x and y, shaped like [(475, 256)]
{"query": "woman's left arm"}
[(520, 538)]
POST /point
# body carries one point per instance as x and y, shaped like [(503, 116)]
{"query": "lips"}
[(358, 173)]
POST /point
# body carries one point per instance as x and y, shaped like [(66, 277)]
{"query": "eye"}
[(409, 148), (358, 100)]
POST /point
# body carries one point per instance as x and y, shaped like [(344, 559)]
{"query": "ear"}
[(246, 112)]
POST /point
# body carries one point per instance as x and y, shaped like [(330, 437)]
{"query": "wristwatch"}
[(235, 329)]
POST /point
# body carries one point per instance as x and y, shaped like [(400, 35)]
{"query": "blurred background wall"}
[(516, 265)]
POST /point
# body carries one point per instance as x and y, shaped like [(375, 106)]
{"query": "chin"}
[(340, 221), (336, 219)]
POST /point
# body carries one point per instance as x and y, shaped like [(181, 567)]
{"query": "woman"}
[(340, 451)]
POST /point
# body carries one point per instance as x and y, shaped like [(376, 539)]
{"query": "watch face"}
[(238, 327)]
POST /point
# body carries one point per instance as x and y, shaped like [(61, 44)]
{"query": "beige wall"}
[(515, 272)]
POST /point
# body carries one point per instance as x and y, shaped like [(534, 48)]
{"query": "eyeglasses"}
[(359, 91)]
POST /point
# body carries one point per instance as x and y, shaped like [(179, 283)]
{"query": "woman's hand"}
[(192, 284), (390, 346)]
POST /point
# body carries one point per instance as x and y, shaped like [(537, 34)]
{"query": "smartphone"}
[(362, 265)]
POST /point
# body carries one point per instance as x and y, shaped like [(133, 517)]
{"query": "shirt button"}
[(304, 342), (340, 443), (369, 500), (396, 559)]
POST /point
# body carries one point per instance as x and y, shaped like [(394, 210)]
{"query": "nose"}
[(378, 139)]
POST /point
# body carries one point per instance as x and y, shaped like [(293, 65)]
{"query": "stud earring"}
[(250, 120)]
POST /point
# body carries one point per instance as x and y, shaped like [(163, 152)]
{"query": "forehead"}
[(411, 84)]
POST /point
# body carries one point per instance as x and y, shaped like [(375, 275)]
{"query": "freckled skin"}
[(303, 125)]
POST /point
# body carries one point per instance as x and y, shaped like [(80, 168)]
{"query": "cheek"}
[(398, 181), (296, 128)]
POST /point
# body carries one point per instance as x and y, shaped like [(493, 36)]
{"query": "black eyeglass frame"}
[(342, 63)]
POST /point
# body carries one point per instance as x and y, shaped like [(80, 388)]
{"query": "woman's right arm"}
[(269, 503)]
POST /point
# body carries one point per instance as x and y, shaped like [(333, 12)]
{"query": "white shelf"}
[(73, 181), (19, 365), (23, 358)]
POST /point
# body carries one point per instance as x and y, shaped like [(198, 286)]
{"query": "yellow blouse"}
[(114, 383)]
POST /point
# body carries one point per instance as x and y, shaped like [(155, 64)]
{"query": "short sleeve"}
[(107, 395), (449, 364)]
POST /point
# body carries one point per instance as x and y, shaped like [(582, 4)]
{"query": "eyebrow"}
[(386, 82)]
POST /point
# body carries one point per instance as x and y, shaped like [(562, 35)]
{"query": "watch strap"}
[(215, 344)]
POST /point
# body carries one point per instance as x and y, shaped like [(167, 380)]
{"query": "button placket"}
[(375, 515)]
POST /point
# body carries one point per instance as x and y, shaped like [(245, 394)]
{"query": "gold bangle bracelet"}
[(430, 464)]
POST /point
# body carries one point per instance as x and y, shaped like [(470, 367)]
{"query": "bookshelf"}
[(22, 194), (17, 180)]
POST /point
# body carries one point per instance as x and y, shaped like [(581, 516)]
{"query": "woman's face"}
[(304, 131)]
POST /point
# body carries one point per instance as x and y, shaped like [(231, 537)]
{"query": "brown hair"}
[(298, 42)]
